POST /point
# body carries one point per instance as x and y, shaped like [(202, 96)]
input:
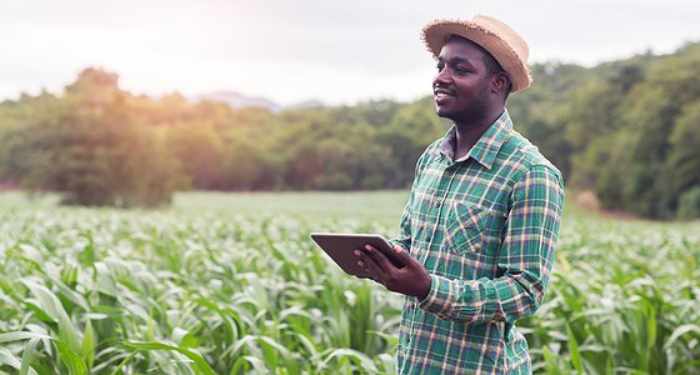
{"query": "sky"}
[(338, 52)]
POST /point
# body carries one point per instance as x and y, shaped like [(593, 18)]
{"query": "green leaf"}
[(28, 357), (21, 335), (574, 351), (52, 306), (88, 346), (242, 362), (307, 344), (551, 362), (353, 355), (680, 331), (200, 365), (651, 328), (71, 295), (7, 358), (71, 359), (273, 350)]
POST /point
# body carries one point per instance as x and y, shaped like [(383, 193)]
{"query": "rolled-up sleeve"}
[(524, 261)]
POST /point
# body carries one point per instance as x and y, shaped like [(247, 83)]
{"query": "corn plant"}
[(225, 291)]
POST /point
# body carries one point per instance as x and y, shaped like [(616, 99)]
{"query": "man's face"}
[(460, 88)]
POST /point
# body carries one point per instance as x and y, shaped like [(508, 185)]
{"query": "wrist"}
[(425, 287)]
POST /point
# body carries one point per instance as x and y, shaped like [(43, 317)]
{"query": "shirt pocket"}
[(465, 228)]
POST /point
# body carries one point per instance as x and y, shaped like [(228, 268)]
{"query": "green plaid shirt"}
[(485, 227)]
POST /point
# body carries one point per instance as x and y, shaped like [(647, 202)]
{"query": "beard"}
[(471, 111)]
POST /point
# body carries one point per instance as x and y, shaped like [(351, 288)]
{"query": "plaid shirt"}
[(485, 227)]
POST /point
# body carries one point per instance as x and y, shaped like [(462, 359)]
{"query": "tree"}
[(92, 151)]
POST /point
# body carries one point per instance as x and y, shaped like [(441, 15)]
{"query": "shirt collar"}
[(486, 148)]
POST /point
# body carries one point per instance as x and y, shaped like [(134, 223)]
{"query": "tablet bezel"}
[(340, 246)]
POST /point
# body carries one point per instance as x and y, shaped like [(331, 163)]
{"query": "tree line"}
[(627, 129)]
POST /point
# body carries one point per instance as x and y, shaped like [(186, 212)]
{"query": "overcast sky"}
[(296, 50)]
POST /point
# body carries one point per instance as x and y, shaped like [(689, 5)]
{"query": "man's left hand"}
[(412, 279)]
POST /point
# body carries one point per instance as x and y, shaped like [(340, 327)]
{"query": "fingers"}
[(378, 274), (370, 268), (391, 274), (365, 269), (379, 258), (365, 272), (378, 266)]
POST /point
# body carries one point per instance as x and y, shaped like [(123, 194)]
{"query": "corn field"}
[(224, 289)]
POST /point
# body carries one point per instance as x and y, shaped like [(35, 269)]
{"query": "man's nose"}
[(442, 77)]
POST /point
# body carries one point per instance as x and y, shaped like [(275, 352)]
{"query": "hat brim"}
[(436, 34)]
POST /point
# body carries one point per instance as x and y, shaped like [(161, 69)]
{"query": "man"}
[(480, 226)]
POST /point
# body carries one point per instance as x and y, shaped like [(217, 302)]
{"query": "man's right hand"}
[(412, 279)]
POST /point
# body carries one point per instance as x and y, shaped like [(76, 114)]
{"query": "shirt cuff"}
[(445, 299), (437, 300)]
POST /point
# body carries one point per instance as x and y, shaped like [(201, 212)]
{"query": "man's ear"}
[(500, 83)]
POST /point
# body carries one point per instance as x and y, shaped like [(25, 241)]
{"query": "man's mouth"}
[(442, 94)]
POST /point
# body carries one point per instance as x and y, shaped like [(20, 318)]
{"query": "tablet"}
[(340, 246)]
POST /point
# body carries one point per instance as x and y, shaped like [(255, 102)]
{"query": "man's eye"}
[(440, 66), (461, 70)]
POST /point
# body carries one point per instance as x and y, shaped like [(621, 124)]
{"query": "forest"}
[(629, 130)]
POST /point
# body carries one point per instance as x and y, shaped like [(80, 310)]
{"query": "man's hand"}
[(412, 279)]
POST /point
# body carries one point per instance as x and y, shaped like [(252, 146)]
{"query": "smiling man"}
[(479, 229)]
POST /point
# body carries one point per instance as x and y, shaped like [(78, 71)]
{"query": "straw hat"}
[(504, 44)]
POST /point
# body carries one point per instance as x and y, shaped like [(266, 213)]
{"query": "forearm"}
[(509, 297)]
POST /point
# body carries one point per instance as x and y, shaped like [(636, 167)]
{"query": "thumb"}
[(403, 255)]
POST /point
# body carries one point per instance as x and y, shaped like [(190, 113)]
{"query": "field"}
[(231, 284)]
